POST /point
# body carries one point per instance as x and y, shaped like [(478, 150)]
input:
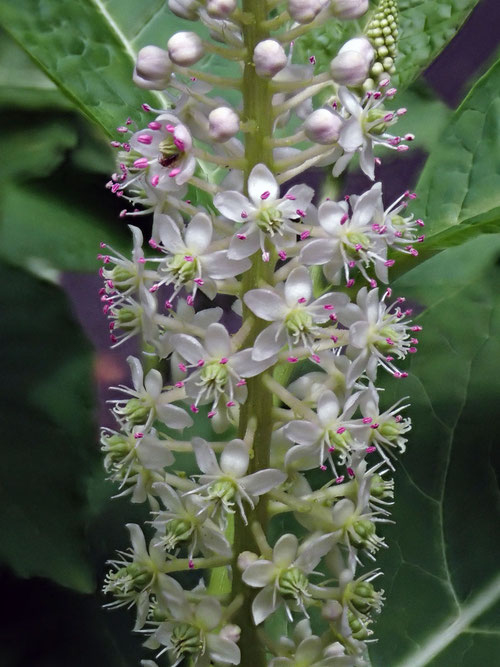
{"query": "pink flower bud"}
[(323, 127), (269, 58), (185, 48), (304, 11), (349, 9), (223, 124), (221, 9), (186, 9), (153, 68)]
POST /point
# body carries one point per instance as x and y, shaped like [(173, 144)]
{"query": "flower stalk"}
[(287, 393)]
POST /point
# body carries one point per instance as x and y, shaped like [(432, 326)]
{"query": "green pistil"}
[(375, 116), (214, 374), (270, 220), (182, 269), (298, 322), (363, 531), (137, 410), (224, 489), (177, 530), (293, 582), (169, 152), (186, 640)]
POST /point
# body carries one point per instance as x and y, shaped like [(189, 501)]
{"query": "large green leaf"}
[(88, 49), (47, 434), (459, 189), (442, 573), (425, 28)]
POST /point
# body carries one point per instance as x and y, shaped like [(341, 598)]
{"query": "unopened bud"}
[(152, 68), (349, 9), (231, 632), (332, 610), (269, 58), (223, 124), (304, 11), (185, 48), (349, 68), (186, 9), (245, 559), (362, 46), (323, 127), (221, 9)]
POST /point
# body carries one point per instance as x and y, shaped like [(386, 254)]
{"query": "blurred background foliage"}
[(65, 84)]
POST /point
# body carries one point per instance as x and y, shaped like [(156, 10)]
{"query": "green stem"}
[(257, 102)]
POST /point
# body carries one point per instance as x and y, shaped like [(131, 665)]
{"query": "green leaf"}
[(47, 434), (425, 28), (442, 575), (22, 84), (459, 189), (88, 49)]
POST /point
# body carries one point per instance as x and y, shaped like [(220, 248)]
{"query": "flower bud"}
[(223, 124), (269, 58), (245, 559), (350, 67), (332, 610), (152, 68), (361, 45), (304, 11), (221, 9), (186, 9), (231, 632), (323, 127), (349, 9), (185, 48)]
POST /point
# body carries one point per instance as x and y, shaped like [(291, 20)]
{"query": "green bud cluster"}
[(382, 31)]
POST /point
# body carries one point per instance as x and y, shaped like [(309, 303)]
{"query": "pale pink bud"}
[(223, 124), (185, 48), (269, 58), (332, 610), (186, 9), (352, 64), (245, 559), (323, 127), (221, 9), (231, 632), (152, 68), (362, 46), (304, 11), (349, 9)]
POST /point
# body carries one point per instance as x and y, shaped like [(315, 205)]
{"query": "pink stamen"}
[(370, 450), (224, 360), (291, 197), (244, 215), (367, 420), (155, 180), (305, 235), (189, 300), (350, 472), (282, 255), (241, 237), (200, 363), (145, 139), (141, 163), (183, 368), (265, 195), (174, 172), (194, 409), (154, 125), (230, 404), (241, 383), (179, 384), (339, 480), (292, 360), (302, 300), (211, 414)]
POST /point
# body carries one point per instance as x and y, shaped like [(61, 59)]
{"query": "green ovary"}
[(293, 582), (215, 375), (223, 489), (186, 640), (298, 322), (270, 220), (183, 270)]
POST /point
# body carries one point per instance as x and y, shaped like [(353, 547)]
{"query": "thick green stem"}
[(257, 105)]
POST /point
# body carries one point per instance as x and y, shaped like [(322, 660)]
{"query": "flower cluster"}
[(284, 385)]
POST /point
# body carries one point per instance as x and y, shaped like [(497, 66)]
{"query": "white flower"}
[(219, 371), (185, 315), (195, 631), (333, 376), (162, 153), (348, 241), (189, 262), (377, 334), (286, 576), (148, 402), (264, 213), (228, 481), (138, 574), (365, 126), (383, 430), (185, 522), (294, 317), (308, 650), (318, 440)]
